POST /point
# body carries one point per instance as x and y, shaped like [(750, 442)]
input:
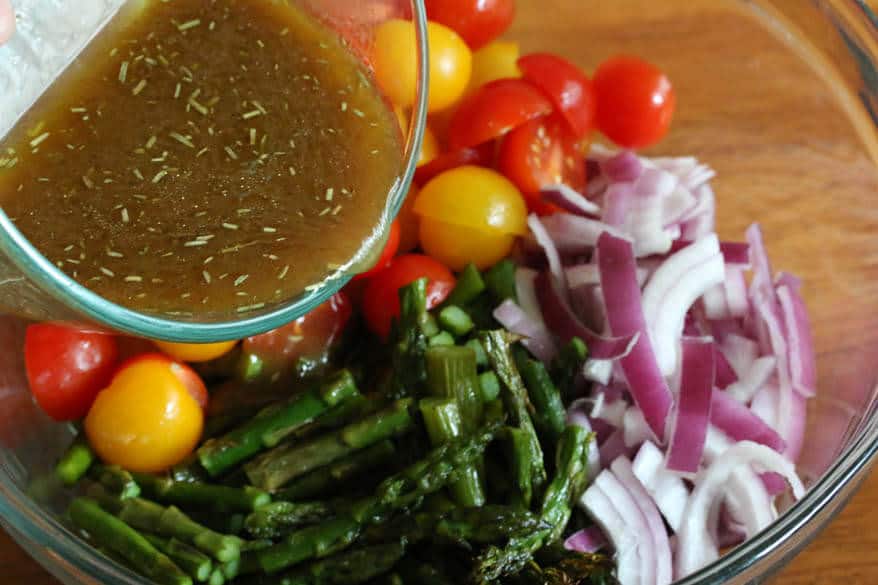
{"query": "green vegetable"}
[(281, 518), (321, 480), (549, 414), (469, 286), (220, 455), (489, 385), (500, 279), (172, 523), (441, 339), (347, 568), (515, 398), (75, 462), (487, 525), (455, 320), (286, 462), (196, 564), (108, 531), (479, 350), (118, 481), (409, 337), (219, 497), (451, 373), (444, 424), (518, 454), (567, 366), (565, 488)]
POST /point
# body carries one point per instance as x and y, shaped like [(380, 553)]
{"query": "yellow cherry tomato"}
[(456, 246), (474, 197), (408, 222), (495, 61), (145, 420), (196, 352), (394, 56), (430, 148)]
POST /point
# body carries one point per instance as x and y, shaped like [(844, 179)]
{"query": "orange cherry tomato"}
[(190, 378), (145, 420), (196, 352)]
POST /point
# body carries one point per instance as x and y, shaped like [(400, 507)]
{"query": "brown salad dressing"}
[(204, 157)]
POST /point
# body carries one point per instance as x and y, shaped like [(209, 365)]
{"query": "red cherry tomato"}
[(381, 297), (477, 21), (310, 336), (66, 368), (540, 153), (566, 85), (481, 155), (191, 380), (493, 110), (636, 101), (390, 249)]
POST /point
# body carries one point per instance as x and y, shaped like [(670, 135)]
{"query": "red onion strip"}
[(693, 408), (625, 316), (570, 200), (537, 338), (740, 423), (800, 343)]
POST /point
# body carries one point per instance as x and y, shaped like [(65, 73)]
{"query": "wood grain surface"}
[(787, 156)]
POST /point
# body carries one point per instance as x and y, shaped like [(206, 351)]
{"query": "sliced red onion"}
[(716, 305), (766, 405), (608, 410), (570, 200), (624, 472), (577, 414), (548, 245), (624, 167), (627, 543), (737, 253), (537, 338), (564, 323), (599, 371), (645, 222), (689, 432), (746, 388), (725, 374), (687, 169), (740, 423), (587, 540), (790, 280), (677, 205), (582, 275), (672, 290), (634, 428), (667, 489), (618, 204), (614, 446), (741, 352), (695, 547), (573, 234), (800, 343), (760, 263), (748, 501), (736, 291), (635, 521), (625, 315), (774, 484), (766, 311), (701, 221)]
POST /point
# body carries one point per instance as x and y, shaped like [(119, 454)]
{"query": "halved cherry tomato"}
[(481, 155), (391, 246), (497, 60), (635, 100), (196, 352), (394, 56), (190, 378), (145, 420), (67, 367), (477, 21), (566, 85), (498, 107), (540, 153), (381, 297), (311, 336)]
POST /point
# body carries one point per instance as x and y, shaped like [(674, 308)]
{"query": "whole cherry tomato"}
[(636, 101), (145, 420), (67, 367), (381, 297), (196, 352), (190, 378), (391, 246), (477, 21)]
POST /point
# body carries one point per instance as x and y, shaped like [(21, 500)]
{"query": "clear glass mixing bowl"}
[(780, 97)]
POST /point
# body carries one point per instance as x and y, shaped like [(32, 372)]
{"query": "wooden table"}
[(779, 141)]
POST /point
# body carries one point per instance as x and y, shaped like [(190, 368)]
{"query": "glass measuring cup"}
[(49, 36)]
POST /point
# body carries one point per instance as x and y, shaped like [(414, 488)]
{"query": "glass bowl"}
[(780, 97), (50, 34)]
